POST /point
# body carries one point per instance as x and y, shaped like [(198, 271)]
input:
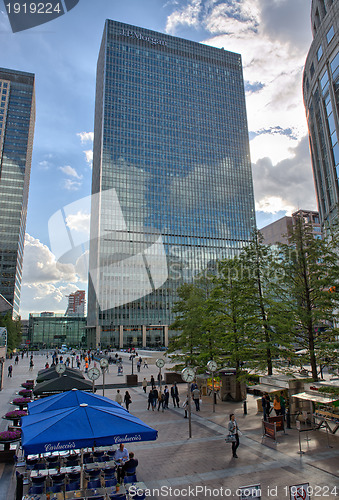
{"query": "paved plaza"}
[(175, 466)]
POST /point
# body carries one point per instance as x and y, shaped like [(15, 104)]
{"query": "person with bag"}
[(127, 400), (233, 430)]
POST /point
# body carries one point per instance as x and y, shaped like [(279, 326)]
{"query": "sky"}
[(273, 38)]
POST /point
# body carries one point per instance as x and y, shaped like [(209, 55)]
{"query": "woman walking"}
[(127, 400), (233, 429)]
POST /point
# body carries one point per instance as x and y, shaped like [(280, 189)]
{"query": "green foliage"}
[(13, 327)]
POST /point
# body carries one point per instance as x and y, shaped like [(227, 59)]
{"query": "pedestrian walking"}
[(233, 430), (155, 397), (31, 364), (10, 371), (161, 401), (166, 395), (150, 400), (265, 406), (175, 395), (16, 359), (144, 385), (118, 397), (196, 398), (152, 382), (127, 400), (145, 363)]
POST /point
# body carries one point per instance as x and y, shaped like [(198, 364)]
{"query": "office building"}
[(321, 99), (17, 119), (172, 184), (76, 303), (278, 231)]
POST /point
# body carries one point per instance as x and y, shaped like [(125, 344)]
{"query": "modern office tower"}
[(76, 303), (321, 99), (172, 184), (17, 119)]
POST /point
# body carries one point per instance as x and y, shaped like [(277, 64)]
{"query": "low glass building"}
[(50, 330)]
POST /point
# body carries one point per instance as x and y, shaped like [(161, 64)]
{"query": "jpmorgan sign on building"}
[(140, 36)]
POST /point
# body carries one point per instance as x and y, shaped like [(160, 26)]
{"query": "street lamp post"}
[(212, 366)]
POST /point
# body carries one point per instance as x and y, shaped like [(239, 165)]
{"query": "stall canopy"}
[(317, 398), (81, 427), (51, 373), (61, 384), (69, 399)]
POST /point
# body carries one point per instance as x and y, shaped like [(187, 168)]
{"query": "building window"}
[(335, 66), (320, 52), (330, 34), (312, 70)]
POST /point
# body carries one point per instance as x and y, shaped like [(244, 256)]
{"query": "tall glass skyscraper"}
[(321, 99), (17, 120), (172, 183)]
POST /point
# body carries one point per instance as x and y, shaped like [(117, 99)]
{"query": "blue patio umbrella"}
[(81, 426), (68, 399)]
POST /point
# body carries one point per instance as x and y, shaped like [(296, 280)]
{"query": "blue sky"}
[(273, 37)]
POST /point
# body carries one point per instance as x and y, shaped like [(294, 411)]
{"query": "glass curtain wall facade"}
[(172, 184), (321, 99), (17, 119), (46, 331)]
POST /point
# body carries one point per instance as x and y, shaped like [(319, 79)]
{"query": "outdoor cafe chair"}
[(93, 473), (30, 462), (88, 459), (101, 497), (117, 496), (96, 483), (58, 478), (130, 479), (36, 489), (73, 476), (108, 473), (97, 454), (38, 480), (39, 466), (112, 481), (56, 488), (74, 485), (72, 461)]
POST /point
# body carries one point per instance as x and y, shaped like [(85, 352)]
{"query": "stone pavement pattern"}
[(174, 463)]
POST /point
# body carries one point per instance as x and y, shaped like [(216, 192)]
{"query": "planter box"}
[(7, 456), (132, 380)]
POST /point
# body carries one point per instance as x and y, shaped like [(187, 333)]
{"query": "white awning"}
[(266, 388), (317, 398)]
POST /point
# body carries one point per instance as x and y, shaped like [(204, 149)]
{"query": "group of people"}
[(127, 464), (279, 404), (126, 399)]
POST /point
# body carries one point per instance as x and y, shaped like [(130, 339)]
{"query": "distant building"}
[(321, 99), (76, 304), (278, 231), (46, 331)]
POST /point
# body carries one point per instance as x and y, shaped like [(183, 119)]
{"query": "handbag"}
[(230, 438)]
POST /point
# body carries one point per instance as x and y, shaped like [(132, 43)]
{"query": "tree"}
[(310, 269), (189, 321), (13, 328), (266, 334)]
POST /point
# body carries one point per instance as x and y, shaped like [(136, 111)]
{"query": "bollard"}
[(215, 398), (288, 418), (245, 407)]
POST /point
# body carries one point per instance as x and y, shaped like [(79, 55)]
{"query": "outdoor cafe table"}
[(54, 471)]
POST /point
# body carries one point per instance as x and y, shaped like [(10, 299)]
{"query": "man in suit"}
[(129, 467)]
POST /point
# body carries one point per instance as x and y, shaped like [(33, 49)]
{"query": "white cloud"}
[(44, 165), (189, 16), (276, 147), (70, 171), (70, 185), (89, 155), (40, 265), (86, 137), (46, 282), (286, 186), (79, 222)]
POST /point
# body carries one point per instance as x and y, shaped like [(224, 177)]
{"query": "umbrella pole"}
[(82, 469)]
